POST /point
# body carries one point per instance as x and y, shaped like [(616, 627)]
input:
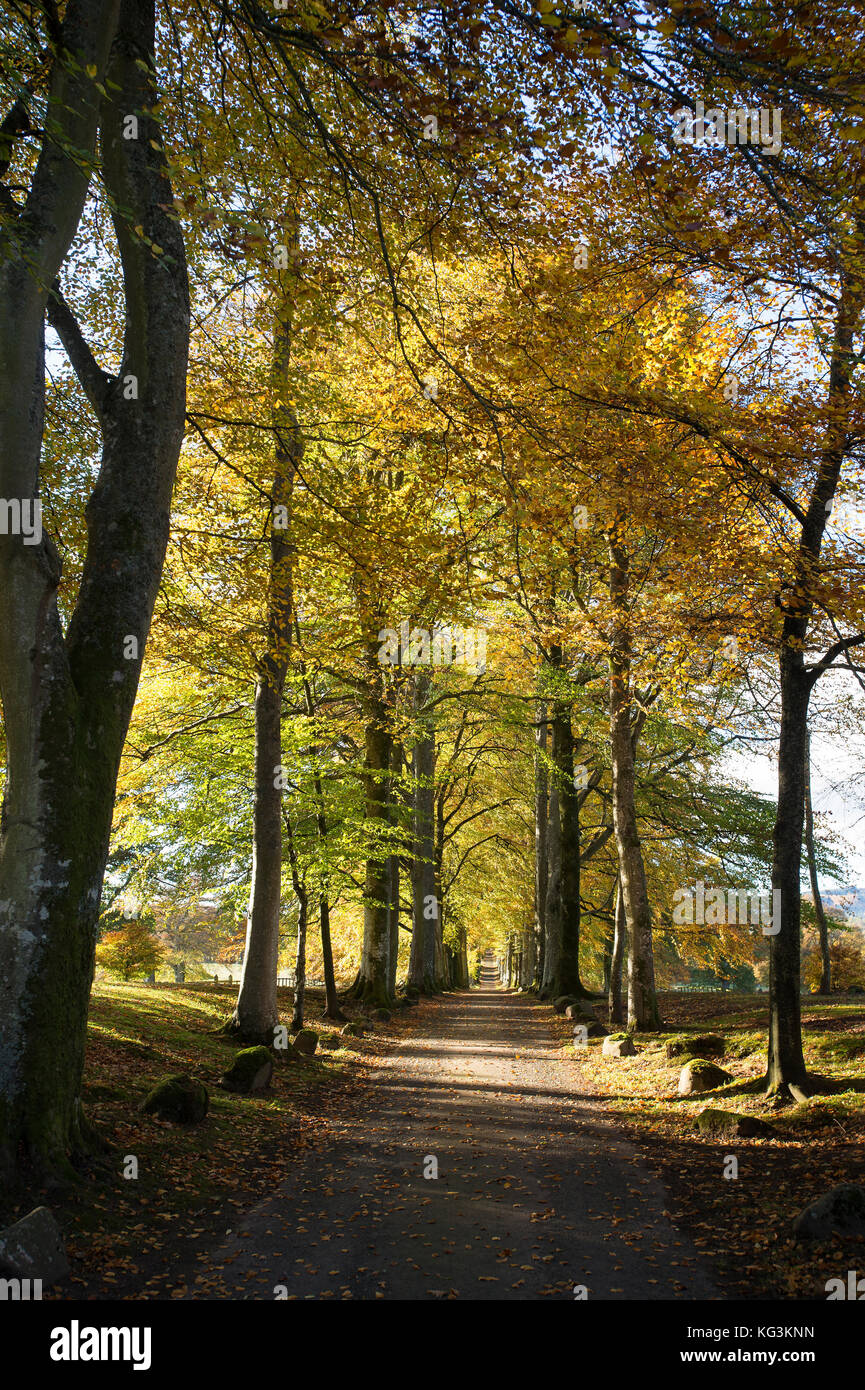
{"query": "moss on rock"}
[(251, 1070), (179, 1099)]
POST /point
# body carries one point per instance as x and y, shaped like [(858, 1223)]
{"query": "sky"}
[(833, 762)]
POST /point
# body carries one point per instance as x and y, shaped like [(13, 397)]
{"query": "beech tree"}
[(68, 694)]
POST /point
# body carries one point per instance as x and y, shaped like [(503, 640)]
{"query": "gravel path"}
[(537, 1192)]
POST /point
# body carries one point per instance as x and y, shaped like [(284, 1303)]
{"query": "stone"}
[(580, 1010), (179, 1099), (726, 1124), (703, 1045), (381, 1015), (595, 1029), (306, 1042), (353, 1030), (839, 1212), (563, 1001), (33, 1248), (698, 1075), (250, 1071), (328, 1043), (619, 1045)]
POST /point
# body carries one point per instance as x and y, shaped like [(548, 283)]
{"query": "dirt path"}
[(536, 1192)]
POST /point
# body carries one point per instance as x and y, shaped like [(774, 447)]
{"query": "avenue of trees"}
[(441, 471)]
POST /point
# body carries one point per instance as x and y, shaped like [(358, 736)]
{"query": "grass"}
[(743, 1225), (130, 1237)]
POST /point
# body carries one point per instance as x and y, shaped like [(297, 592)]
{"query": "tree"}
[(68, 696), (256, 1014), (130, 950)]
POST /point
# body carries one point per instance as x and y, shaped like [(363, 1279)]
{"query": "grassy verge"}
[(133, 1237), (743, 1224)]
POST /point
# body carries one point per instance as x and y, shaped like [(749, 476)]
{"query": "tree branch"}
[(95, 383)]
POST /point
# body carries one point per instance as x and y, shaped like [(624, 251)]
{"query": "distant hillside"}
[(849, 899)]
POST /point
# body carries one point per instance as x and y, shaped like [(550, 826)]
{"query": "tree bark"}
[(616, 1012), (331, 1009), (786, 1072), (643, 1011), (256, 1013), (302, 919), (438, 970), (463, 980), (562, 910), (541, 822), (426, 909), (393, 871), (819, 910), (372, 985), (300, 958), (67, 700)]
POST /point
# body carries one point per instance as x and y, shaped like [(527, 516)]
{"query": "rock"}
[(563, 1001), (381, 1015), (179, 1099), (250, 1071), (698, 1075), (411, 991), (839, 1212), (619, 1045), (589, 1030), (306, 1042), (328, 1043), (726, 1124), (33, 1248), (580, 1010), (704, 1045), (354, 1030), (595, 1029)]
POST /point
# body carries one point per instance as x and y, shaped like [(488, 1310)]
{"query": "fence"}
[(288, 980)]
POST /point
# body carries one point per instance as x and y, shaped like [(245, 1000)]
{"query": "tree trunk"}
[(529, 962), (256, 1014), (562, 912), (643, 1011), (300, 960), (438, 924), (393, 873), (372, 984), (541, 822), (302, 918), (463, 980), (786, 1072), (607, 962), (786, 1059), (425, 903), (616, 1012), (819, 910), (67, 700), (331, 1008)]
